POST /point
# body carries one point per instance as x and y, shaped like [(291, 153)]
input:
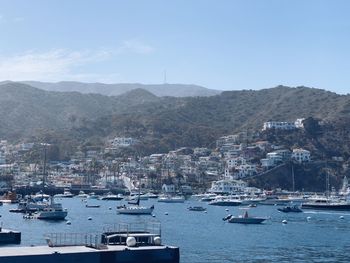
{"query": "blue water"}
[(204, 237)]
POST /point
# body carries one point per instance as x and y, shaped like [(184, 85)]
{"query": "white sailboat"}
[(135, 208)]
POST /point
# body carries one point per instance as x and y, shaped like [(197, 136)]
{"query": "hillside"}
[(199, 121), (160, 90), (162, 123)]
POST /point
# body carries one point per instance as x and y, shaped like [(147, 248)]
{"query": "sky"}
[(218, 44)]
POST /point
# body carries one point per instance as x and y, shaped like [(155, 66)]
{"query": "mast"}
[(44, 169), (293, 179)]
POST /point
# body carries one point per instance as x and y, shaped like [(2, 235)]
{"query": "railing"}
[(139, 227), (73, 239)]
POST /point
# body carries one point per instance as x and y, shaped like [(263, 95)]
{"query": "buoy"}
[(157, 241), (110, 208), (205, 211), (89, 218), (308, 218), (68, 223), (341, 217), (131, 242), (166, 213), (284, 221), (226, 209), (153, 215)]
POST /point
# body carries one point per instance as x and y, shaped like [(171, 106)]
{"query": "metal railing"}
[(139, 227), (73, 239)]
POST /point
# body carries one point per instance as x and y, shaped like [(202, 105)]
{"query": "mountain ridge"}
[(160, 90)]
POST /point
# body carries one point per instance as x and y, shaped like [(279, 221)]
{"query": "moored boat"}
[(290, 209), (197, 208), (245, 219), (53, 212), (171, 199), (225, 201)]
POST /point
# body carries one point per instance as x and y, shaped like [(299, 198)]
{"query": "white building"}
[(299, 123), (279, 125), (168, 188), (301, 155), (227, 186), (245, 170), (234, 162), (123, 141)]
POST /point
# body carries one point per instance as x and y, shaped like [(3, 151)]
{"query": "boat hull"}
[(251, 220), (335, 207), (52, 215), (225, 203), (135, 210)]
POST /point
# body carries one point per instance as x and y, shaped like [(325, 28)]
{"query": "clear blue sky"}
[(220, 44)]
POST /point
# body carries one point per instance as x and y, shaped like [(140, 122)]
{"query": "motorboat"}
[(54, 211), (208, 197), (40, 197), (290, 209), (244, 219), (225, 201), (197, 208), (171, 199), (92, 206), (92, 195), (82, 195), (327, 204), (112, 197), (151, 195), (135, 210), (28, 206), (66, 194)]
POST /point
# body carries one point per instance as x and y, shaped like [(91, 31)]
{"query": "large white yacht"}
[(53, 211)]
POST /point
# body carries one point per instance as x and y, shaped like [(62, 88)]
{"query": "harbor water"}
[(204, 237)]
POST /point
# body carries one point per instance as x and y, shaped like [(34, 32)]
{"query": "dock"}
[(120, 243), (74, 254)]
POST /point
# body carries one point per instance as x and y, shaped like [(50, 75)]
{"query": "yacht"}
[(40, 197), (82, 195), (29, 206), (225, 201), (171, 199), (53, 211), (111, 196), (66, 194), (135, 210), (326, 203)]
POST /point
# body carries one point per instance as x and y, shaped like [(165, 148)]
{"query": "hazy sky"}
[(220, 44)]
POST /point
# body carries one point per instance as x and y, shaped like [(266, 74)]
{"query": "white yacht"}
[(135, 210), (82, 195), (66, 194), (225, 201), (110, 196), (171, 199), (53, 211)]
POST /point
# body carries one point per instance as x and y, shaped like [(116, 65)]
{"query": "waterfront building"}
[(227, 186)]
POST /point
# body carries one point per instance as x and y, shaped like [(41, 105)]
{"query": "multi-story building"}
[(301, 155)]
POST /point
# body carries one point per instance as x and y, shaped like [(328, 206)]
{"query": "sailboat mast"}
[(293, 179), (44, 168)]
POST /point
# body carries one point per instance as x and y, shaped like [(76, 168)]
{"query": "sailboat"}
[(135, 208), (53, 211)]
